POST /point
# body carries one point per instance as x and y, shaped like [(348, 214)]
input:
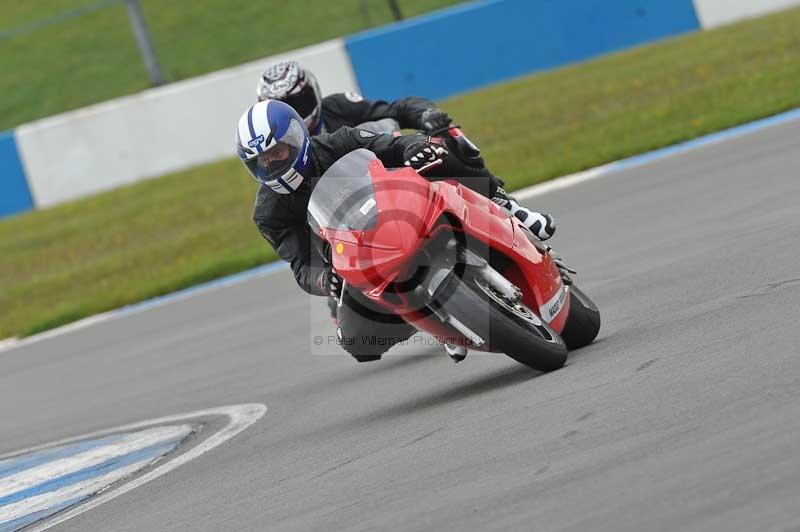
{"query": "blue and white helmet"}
[(273, 143)]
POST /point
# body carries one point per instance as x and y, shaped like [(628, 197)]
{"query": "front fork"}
[(441, 270)]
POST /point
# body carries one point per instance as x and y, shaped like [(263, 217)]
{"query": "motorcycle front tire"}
[(583, 321), (529, 341)]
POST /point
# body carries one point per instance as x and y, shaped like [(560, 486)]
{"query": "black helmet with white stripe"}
[(289, 82)]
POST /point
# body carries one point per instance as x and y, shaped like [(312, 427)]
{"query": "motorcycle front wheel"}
[(509, 327)]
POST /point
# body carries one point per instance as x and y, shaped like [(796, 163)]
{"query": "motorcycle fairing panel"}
[(385, 216)]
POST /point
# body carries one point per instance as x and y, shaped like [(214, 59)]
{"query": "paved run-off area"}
[(683, 416)]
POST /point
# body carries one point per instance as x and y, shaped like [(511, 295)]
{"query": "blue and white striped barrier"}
[(450, 51)]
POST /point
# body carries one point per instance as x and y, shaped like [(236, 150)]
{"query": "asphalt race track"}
[(685, 415)]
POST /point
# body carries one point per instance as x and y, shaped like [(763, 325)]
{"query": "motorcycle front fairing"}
[(530, 266), (377, 220), (371, 217)]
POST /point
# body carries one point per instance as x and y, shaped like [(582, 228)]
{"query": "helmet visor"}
[(304, 102), (277, 161)]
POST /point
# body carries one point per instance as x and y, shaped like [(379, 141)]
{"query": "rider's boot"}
[(540, 224), (457, 352)]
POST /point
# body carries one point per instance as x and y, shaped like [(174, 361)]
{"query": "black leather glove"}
[(434, 119), (423, 152)]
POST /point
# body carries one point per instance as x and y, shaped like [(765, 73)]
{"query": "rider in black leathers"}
[(281, 218)]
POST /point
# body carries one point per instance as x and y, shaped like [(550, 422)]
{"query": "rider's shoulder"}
[(275, 212), (264, 198), (340, 132), (267, 200), (343, 98)]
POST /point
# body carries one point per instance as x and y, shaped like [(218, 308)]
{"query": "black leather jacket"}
[(351, 109)]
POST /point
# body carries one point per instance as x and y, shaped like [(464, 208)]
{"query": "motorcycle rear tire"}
[(535, 346), (583, 322)]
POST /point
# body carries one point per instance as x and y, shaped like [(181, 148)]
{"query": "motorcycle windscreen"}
[(344, 197)]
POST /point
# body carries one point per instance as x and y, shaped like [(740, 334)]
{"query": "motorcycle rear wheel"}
[(583, 321), (513, 329)]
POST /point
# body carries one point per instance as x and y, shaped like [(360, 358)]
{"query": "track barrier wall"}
[(15, 196), (492, 41), (154, 132), (468, 46), (713, 13)]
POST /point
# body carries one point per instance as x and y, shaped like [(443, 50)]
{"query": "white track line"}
[(8, 343), (85, 488), (239, 418), (561, 182), (136, 441)]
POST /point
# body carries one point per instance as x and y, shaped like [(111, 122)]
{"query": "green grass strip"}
[(53, 60), (63, 16), (154, 237)]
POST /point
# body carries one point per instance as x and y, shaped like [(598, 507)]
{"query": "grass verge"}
[(158, 236), (93, 57)]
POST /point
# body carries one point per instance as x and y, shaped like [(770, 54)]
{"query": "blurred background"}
[(58, 55), (118, 176)]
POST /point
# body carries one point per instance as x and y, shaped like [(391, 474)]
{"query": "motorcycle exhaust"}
[(454, 322), (476, 340)]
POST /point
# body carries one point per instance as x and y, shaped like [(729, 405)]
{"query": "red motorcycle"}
[(449, 261)]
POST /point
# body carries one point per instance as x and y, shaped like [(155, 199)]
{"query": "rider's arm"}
[(351, 109), (293, 245), (292, 241), (328, 148)]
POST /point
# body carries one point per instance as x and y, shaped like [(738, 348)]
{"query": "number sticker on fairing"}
[(550, 310), (368, 205)]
